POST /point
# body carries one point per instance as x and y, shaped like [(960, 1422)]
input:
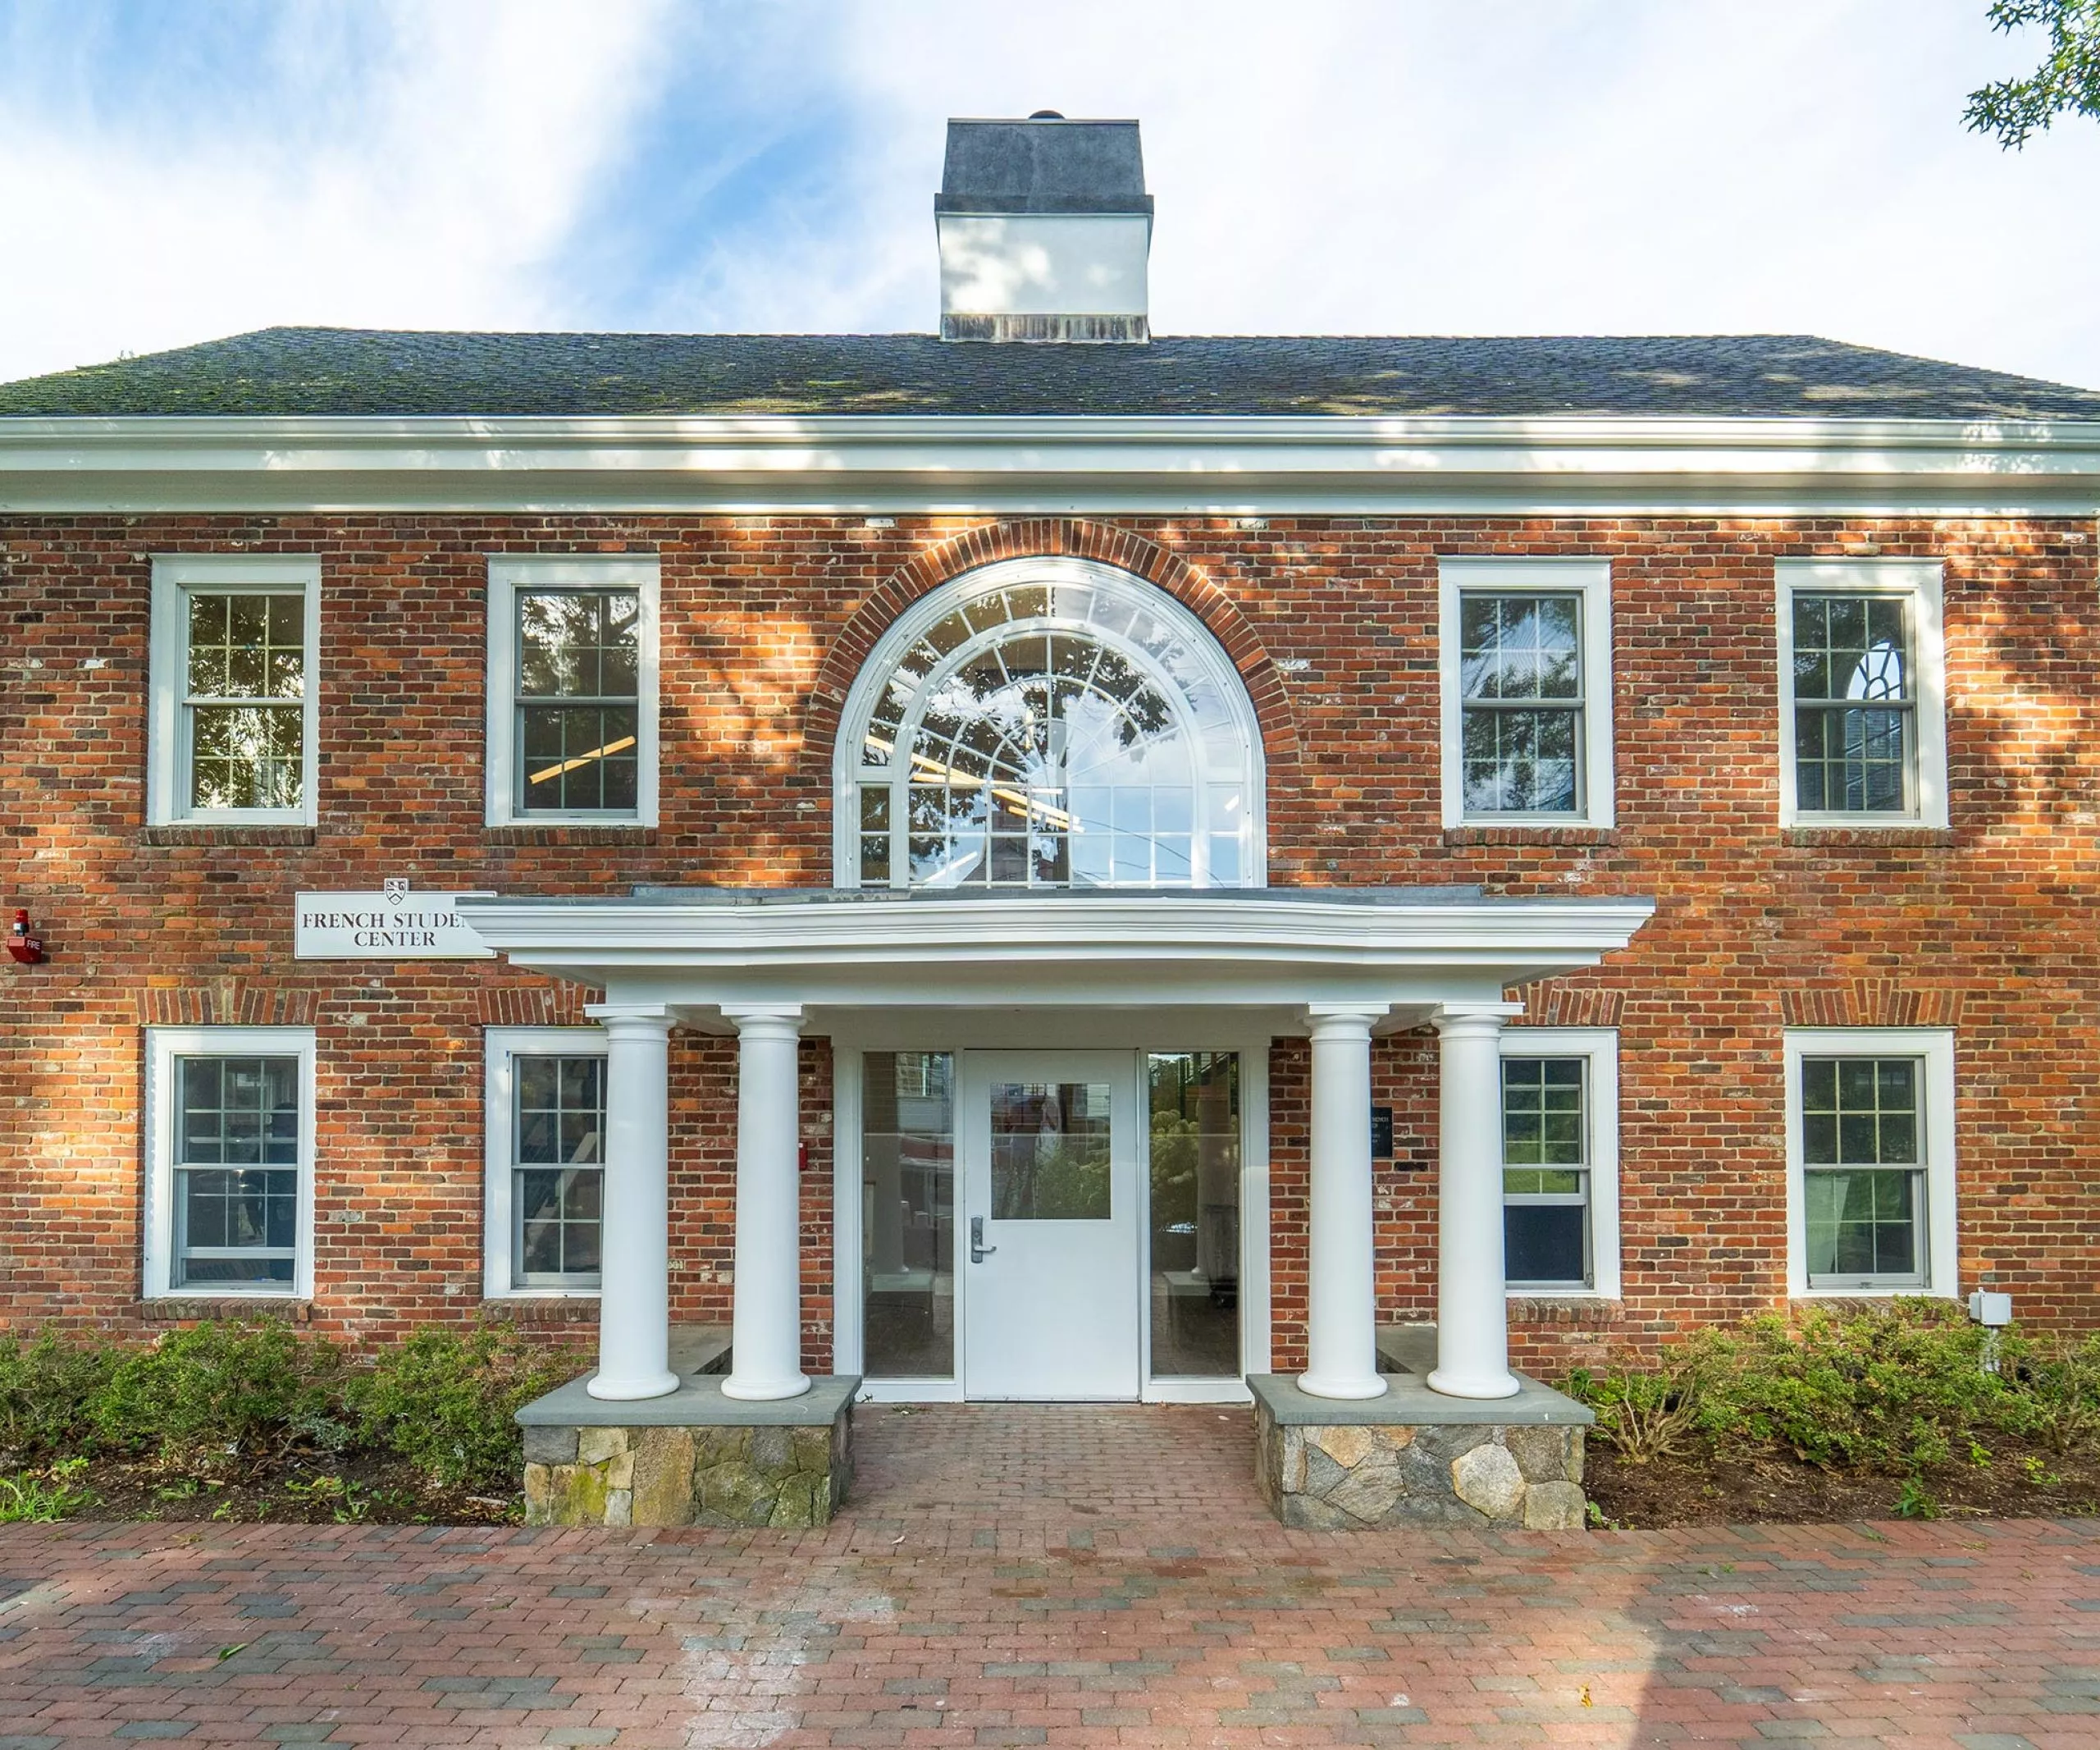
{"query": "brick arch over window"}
[(1059, 537)]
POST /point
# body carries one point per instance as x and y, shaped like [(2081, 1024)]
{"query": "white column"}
[(765, 1340), (1341, 1290), (1472, 1306), (634, 1305)]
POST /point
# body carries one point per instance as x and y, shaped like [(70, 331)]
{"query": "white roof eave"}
[(962, 464)]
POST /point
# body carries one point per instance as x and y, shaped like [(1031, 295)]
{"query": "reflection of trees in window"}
[(1853, 708), (1041, 737), (1050, 1152)]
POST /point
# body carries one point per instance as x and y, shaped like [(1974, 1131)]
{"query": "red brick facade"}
[(1987, 927)]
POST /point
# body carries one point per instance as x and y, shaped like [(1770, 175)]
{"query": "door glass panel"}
[(908, 1225), (1195, 1097), (1050, 1151)]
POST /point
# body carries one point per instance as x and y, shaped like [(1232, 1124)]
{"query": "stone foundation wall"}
[(786, 1478), (1346, 1477)]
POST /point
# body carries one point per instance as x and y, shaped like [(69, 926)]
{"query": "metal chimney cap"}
[(1045, 164)]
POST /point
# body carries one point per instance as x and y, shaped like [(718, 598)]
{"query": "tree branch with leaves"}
[(2014, 110)]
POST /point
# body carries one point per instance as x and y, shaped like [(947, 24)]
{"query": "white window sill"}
[(512, 1296), (1873, 1294)]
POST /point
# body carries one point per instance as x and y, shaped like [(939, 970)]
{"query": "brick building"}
[(1045, 861)]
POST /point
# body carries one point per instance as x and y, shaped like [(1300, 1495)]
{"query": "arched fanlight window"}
[(1049, 723)]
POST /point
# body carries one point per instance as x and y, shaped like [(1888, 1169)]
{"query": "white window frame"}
[(163, 1112), (168, 735), (1127, 589), (510, 573), (1935, 1047), (1592, 579), (1598, 1048), (1920, 581), (501, 1048)]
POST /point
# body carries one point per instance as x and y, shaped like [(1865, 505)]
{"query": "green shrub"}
[(1642, 1415), (2053, 1392), (47, 1391), (1886, 1388), (219, 1390), (445, 1400), (1894, 1388)]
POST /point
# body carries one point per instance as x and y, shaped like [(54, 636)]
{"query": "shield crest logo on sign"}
[(397, 889)]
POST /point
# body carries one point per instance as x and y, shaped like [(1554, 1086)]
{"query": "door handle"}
[(978, 1250)]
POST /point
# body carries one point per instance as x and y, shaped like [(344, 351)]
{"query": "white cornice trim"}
[(1045, 949), (1172, 465)]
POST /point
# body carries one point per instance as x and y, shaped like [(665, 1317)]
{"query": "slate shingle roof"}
[(337, 371)]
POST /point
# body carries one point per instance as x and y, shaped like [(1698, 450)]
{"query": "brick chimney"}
[(1044, 228)]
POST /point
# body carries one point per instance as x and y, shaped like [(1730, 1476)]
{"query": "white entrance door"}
[(1049, 1232)]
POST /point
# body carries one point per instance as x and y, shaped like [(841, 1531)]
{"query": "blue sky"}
[(174, 170)]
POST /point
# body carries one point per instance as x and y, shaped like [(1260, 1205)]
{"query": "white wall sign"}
[(393, 923)]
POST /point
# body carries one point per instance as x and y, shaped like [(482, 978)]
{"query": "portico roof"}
[(1401, 950)]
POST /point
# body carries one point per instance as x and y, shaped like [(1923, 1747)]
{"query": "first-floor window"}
[(1559, 1164), (1546, 1173), (560, 1176), (230, 1113), (1864, 1175), (545, 1123), (1868, 1118)]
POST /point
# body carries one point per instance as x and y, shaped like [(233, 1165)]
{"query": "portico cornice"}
[(955, 465), (1380, 948)]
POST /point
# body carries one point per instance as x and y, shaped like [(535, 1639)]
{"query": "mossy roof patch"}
[(322, 372)]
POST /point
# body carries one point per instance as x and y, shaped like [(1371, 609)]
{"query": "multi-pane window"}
[(233, 714), (1521, 687), (1545, 1172), (1862, 688), (1525, 692), (1067, 728), (572, 689), (236, 1171), (1863, 1170), (246, 677), (579, 691), (558, 1172), (1855, 704)]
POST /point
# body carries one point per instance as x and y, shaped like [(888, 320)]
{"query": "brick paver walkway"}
[(1013, 1575)]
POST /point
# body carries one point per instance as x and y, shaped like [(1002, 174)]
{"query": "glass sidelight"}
[(1194, 1100), (908, 1226)]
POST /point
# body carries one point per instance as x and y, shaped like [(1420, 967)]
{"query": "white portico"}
[(774, 968)]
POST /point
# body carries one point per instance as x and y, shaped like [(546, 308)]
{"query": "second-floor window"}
[(572, 689), (1862, 730), (1526, 691), (235, 650)]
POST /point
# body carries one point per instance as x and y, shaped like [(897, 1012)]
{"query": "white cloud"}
[(1516, 167), (426, 192), (1336, 166)]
